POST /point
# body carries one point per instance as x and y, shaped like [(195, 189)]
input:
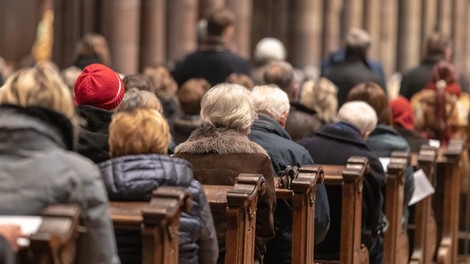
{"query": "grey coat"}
[(37, 170)]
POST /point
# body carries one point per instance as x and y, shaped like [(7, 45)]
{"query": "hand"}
[(11, 233)]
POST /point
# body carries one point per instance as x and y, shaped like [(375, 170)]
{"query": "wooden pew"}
[(157, 220), (396, 244), (303, 198), (449, 173), (239, 203), (350, 178), (425, 237), (55, 240)]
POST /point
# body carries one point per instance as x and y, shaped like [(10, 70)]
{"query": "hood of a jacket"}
[(29, 127), (134, 177)]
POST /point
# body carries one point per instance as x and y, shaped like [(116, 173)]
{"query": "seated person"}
[(220, 150), (38, 165), (334, 144), (138, 144)]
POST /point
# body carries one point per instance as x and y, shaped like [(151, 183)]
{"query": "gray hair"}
[(228, 106), (271, 100), (357, 42), (359, 114)]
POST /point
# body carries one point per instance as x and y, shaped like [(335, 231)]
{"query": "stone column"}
[(243, 10), (372, 24), (306, 33), (181, 21), (206, 5), (409, 32), (459, 33), (388, 40), (153, 28), (89, 19), (444, 15), (122, 30), (429, 24), (331, 26), (352, 15)]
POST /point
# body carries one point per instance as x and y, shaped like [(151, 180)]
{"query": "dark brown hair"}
[(242, 79), (218, 20), (375, 96)]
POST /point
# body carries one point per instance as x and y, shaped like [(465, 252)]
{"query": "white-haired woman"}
[(220, 150)]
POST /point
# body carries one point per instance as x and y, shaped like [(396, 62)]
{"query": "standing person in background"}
[(98, 93), (354, 69), (438, 47), (213, 60), (267, 50)]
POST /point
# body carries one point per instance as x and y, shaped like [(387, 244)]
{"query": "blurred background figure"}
[(267, 50)]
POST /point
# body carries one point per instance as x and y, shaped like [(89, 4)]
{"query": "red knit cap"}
[(402, 113), (99, 86)]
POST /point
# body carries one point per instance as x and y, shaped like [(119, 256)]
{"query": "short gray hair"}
[(271, 100), (357, 42), (359, 114), (229, 106)]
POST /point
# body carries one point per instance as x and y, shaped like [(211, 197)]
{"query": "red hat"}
[(99, 86), (402, 113)]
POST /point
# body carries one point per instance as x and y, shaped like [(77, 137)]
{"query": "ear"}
[(366, 134), (283, 119)]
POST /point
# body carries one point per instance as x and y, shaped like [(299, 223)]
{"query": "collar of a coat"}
[(267, 124), (342, 132), (216, 140), (384, 129), (44, 122)]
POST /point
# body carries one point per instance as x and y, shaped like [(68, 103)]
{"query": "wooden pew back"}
[(55, 240), (396, 244), (157, 220), (239, 202), (350, 179)]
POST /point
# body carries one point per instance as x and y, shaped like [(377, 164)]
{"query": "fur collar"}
[(209, 139)]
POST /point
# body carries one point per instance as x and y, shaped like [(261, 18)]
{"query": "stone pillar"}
[(458, 32), (444, 15), (89, 16), (388, 40), (372, 24), (122, 30), (429, 23), (66, 31), (206, 5), (352, 15), (153, 28), (332, 26), (306, 32), (182, 37), (243, 10), (409, 32), (466, 22)]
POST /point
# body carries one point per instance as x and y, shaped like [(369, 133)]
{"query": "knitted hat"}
[(99, 86)]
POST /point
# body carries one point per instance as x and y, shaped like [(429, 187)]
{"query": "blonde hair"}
[(135, 98), (163, 84), (320, 95), (39, 86), (142, 131), (228, 106)]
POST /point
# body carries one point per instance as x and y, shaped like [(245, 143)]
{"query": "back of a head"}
[(190, 95), (357, 42), (135, 98), (162, 81), (139, 81), (359, 114), (228, 106), (270, 49), (142, 131), (281, 74), (444, 70), (437, 44), (271, 100), (375, 96), (94, 45), (402, 113), (38, 86), (218, 20), (320, 95), (99, 86), (242, 79)]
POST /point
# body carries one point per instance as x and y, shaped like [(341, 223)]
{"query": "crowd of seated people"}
[(89, 135)]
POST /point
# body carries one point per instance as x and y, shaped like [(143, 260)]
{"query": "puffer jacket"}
[(134, 177), (38, 169)]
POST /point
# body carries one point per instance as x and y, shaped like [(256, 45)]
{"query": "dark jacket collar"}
[(343, 132), (268, 125), (43, 121), (97, 119), (384, 129), (302, 108)]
